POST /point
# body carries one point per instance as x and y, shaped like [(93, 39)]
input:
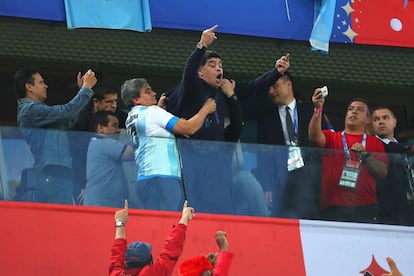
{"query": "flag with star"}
[(379, 22)]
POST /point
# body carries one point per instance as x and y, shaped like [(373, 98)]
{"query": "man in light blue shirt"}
[(106, 184), (43, 125)]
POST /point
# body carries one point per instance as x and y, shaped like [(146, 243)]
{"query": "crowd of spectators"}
[(185, 145)]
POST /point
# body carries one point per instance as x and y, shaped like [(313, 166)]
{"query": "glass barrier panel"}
[(52, 166)]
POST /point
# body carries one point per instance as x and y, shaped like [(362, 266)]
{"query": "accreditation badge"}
[(295, 160), (350, 174)]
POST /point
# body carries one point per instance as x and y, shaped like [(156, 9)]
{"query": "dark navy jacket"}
[(188, 97)]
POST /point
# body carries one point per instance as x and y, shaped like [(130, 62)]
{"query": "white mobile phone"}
[(324, 91)]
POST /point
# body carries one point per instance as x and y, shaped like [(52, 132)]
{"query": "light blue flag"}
[(109, 14), (322, 27)]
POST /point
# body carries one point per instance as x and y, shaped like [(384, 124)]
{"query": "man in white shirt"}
[(152, 131)]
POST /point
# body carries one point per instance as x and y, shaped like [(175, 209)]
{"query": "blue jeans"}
[(159, 193)]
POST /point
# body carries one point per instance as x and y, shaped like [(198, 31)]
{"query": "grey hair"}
[(130, 89)]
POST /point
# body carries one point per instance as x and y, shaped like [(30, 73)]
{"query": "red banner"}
[(46, 239)]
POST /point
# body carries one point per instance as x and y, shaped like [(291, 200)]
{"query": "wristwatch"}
[(119, 223), (364, 154), (234, 97), (200, 45)]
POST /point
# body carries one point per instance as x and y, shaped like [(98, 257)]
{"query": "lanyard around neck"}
[(346, 150)]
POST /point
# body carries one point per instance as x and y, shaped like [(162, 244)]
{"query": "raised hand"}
[(221, 241), (282, 64), (79, 80), (187, 214), (208, 36), (162, 102), (317, 98), (89, 79), (393, 267), (122, 215)]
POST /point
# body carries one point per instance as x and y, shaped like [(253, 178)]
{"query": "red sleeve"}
[(330, 138), (172, 250), (117, 260), (223, 263)]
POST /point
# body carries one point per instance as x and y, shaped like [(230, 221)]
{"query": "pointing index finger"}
[(287, 57), (212, 29), (391, 264), (126, 204)]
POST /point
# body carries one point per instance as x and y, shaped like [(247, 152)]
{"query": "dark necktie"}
[(289, 125)]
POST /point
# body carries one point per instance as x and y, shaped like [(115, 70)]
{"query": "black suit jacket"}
[(269, 129), (392, 190), (300, 190), (270, 132)]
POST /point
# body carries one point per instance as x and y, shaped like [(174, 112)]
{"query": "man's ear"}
[(200, 74), (136, 101), (100, 128), (289, 82), (28, 87)]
